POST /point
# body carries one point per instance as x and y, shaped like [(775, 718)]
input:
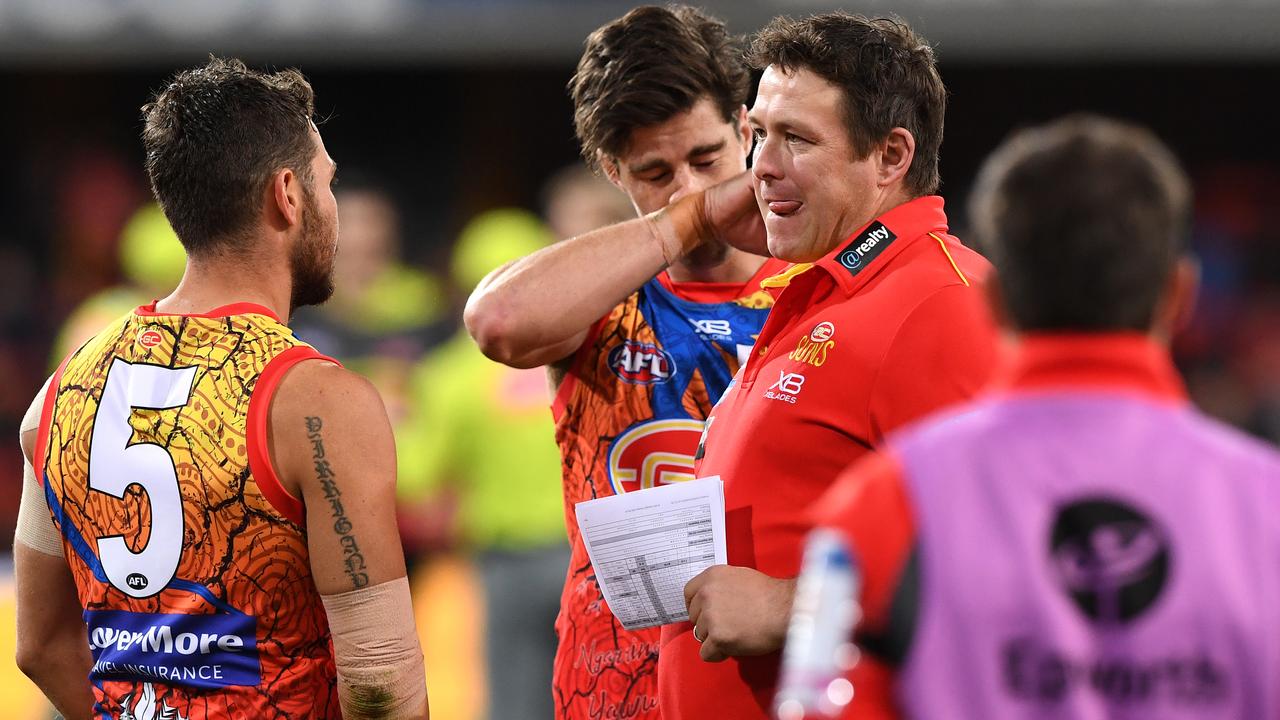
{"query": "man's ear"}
[(286, 198), (745, 135), (610, 168), (1177, 302), (894, 156)]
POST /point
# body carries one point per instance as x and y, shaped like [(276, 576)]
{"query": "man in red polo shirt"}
[(882, 320)]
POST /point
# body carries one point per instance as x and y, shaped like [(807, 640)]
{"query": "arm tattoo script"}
[(353, 559)]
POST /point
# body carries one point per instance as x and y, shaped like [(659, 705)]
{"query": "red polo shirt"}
[(891, 325)]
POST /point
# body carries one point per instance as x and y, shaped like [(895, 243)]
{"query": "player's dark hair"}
[(648, 66), (1084, 219), (214, 137), (887, 73)]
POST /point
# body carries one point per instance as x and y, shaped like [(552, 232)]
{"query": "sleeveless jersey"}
[(628, 416), (1088, 555), (189, 558)]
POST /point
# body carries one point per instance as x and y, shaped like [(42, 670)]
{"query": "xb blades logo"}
[(641, 363), (720, 328), (787, 389), (789, 383), (1111, 559)]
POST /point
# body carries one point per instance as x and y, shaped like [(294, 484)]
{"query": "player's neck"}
[(736, 267), (212, 283)]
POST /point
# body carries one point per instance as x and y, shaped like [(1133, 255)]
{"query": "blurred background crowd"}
[(453, 131)]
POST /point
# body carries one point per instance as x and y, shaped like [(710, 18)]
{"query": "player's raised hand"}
[(738, 611), (726, 213), (733, 216)]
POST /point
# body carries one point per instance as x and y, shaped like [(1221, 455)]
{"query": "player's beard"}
[(313, 256)]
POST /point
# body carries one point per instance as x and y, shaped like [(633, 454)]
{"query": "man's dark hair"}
[(214, 137), (887, 73), (648, 66), (1084, 219)]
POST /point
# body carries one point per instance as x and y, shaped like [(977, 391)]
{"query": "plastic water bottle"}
[(819, 651)]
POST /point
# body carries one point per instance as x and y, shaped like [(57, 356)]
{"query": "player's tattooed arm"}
[(342, 525), (333, 448)]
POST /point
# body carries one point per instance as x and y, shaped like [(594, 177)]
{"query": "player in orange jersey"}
[(640, 339), (207, 526)]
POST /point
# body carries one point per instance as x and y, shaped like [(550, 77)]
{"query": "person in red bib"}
[(882, 320), (1047, 550)]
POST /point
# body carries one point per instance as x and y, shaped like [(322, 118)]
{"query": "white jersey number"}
[(114, 465)]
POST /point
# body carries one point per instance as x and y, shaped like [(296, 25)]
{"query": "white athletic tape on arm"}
[(375, 646), (35, 525)]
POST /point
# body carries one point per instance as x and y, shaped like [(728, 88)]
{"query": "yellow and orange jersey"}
[(189, 557), (628, 416)]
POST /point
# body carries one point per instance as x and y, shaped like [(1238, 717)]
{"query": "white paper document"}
[(646, 545)]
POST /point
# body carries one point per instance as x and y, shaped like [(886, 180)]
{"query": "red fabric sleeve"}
[(257, 431), (873, 692), (944, 352), (41, 451), (868, 504)]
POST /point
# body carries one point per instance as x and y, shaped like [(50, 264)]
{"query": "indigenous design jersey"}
[(628, 416), (189, 558)]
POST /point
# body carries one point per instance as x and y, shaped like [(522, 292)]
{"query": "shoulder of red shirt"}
[(950, 327), (944, 318)]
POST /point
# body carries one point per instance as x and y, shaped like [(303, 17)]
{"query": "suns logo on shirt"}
[(813, 348), (641, 363), (649, 454)]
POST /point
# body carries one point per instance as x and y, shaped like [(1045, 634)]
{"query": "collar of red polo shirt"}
[(854, 262), (1115, 361)]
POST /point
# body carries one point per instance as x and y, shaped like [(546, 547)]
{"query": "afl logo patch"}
[(641, 363), (822, 332), (150, 339)]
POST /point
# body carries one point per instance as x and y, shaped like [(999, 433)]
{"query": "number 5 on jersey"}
[(114, 465)]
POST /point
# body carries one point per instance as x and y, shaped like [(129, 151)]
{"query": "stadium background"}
[(448, 109)]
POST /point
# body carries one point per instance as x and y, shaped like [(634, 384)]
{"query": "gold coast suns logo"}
[(150, 338), (813, 348), (658, 452)]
